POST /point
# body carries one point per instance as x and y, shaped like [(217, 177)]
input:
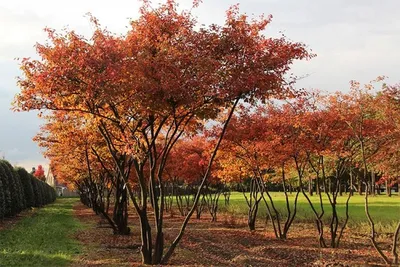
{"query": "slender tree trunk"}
[(366, 207), (394, 246), (269, 215), (290, 217), (317, 186), (252, 202), (146, 248), (351, 182), (212, 200), (372, 225), (318, 220), (388, 189), (373, 178), (200, 207), (172, 248), (120, 214), (251, 222), (398, 189), (346, 219)]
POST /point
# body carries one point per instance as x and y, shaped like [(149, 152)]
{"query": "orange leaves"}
[(189, 159), (163, 64), (140, 92)]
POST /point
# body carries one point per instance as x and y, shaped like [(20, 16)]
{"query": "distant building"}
[(61, 188), (50, 178)]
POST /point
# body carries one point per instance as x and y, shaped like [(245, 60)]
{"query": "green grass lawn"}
[(45, 239), (384, 210)]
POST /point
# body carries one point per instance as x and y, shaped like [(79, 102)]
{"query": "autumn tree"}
[(288, 131), (386, 158), (144, 90), (245, 156), (185, 169), (79, 157), (39, 173), (259, 147), (363, 116), (330, 157)]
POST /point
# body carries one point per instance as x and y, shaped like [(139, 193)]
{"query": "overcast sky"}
[(354, 39)]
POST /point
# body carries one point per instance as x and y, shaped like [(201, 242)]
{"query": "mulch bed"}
[(224, 243)]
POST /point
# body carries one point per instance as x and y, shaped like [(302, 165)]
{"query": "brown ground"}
[(225, 243)]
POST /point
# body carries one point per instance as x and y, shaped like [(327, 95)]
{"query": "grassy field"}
[(45, 239), (384, 210)]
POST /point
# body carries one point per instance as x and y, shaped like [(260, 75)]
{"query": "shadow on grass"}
[(23, 258), (45, 239)]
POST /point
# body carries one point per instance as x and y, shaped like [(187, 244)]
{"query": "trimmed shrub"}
[(20, 190), (6, 190), (37, 191), (17, 197), (9, 185), (42, 192), (25, 178), (2, 200)]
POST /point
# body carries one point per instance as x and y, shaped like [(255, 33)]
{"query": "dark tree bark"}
[(373, 178)]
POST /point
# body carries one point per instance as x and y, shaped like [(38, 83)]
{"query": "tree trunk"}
[(146, 249), (317, 189), (388, 189), (351, 182), (373, 178), (251, 222), (120, 214)]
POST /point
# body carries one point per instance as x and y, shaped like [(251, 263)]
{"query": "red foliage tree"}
[(39, 173)]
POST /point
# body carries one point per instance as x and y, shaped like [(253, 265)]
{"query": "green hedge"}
[(6, 190), (20, 190), (17, 194), (26, 180), (2, 200)]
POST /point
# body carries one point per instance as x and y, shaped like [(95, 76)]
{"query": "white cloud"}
[(355, 39), (29, 164)]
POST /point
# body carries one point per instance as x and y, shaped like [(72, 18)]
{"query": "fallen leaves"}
[(215, 244)]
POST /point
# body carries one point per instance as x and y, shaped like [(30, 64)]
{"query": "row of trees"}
[(20, 190), (331, 143), (327, 143), (140, 119)]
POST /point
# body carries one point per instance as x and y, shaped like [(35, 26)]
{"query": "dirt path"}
[(225, 243)]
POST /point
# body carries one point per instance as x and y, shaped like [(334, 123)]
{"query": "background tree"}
[(39, 173)]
